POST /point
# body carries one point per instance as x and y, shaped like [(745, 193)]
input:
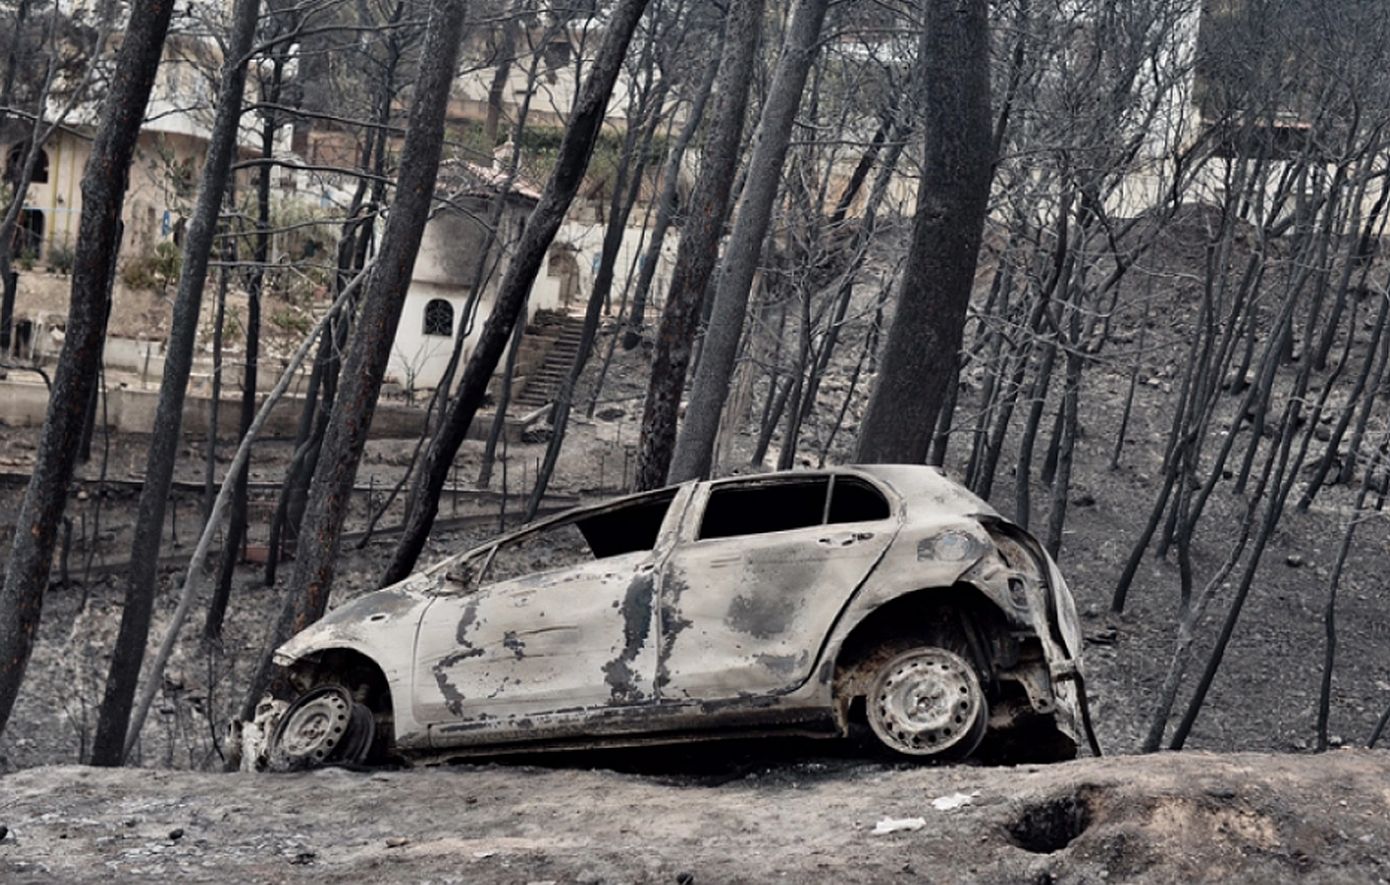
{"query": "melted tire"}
[(316, 730)]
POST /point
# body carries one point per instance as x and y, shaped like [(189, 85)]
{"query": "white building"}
[(451, 255)]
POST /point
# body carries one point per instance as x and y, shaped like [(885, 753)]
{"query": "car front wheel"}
[(927, 702), (324, 726)]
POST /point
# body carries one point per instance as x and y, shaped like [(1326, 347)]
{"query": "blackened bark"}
[(859, 249), (666, 209), (699, 245), (330, 492), (718, 353), (1066, 440), (103, 194), (124, 672), (236, 525), (631, 167), (215, 403), (923, 346), (496, 92), (504, 401), (541, 226), (351, 257)]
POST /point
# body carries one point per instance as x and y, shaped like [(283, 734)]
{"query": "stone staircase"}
[(554, 341)]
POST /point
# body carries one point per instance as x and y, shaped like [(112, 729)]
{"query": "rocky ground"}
[(1173, 818)]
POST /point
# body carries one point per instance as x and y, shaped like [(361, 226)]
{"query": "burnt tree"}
[(330, 491), (74, 381), (541, 226), (695, 445), (699, 245), (141, 580), (920, 355)]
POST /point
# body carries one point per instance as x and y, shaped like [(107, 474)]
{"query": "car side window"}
[(764, 506), (556, 547), (854, 500), (628, 528), (631, 527)]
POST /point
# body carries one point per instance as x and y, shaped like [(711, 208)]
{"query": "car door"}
[(559, 619), (761, 570)]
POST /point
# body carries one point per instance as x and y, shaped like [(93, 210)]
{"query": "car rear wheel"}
[(324, 726), (927, 702)]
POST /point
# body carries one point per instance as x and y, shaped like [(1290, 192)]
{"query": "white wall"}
[(587, 239)]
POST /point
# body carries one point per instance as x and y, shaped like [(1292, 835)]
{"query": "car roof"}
[(927, 489), (924, 489)]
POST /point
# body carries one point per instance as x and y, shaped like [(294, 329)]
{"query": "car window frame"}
[(667, 535), (699, 504)]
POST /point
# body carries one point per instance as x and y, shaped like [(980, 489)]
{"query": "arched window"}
[(439, 317), (14, 165)]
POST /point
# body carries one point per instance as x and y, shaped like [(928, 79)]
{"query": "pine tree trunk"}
[(924, 342), (504, 401), (666, 209), (236, 526), (699, 244), (627, 187), (103, 195), (330, 492), (710, 389), (541, 227), (109, 742), (215, 401)]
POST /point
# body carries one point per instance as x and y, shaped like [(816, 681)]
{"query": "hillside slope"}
[(1167, 818)]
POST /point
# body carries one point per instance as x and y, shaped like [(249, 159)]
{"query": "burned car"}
[(887, 599)]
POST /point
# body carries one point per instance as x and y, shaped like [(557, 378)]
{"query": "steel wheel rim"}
[(316, 725), (927, 702)]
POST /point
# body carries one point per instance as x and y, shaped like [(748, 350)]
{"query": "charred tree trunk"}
[(103, 194), (632, 163), (921, 354), (352, 249), (666, 209), (109, 742), (330, 492), (541, 227), (719, 351), (1329, 615), (699, 245), (236, 526), (215, 405), (504, 400), (506, 58)]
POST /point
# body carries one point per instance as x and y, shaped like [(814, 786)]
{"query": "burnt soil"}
[(1170, 818)]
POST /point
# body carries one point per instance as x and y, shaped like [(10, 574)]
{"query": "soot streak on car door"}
[(625, 685), (744, 613)]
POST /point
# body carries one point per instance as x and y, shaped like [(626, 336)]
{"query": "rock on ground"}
[(1166, 818)]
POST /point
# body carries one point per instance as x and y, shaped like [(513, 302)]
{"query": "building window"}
[(439, 317), (14, 165)]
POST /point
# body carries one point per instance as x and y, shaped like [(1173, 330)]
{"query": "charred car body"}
[(797, 602)]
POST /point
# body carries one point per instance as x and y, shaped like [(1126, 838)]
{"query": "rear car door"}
[(560, 619), (762, 568)]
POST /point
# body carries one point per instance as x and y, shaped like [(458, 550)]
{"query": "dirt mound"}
[(1167, 818)]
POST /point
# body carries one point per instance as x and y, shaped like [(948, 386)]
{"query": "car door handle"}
[(844, 540)]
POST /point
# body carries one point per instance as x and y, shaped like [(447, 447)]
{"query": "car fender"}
[(381, 627)]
